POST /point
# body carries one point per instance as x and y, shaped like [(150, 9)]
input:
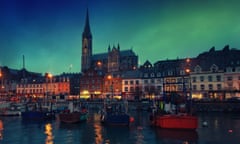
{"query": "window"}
[(152, 74), (202, 87), (146, 81), (146, 88), (219, 86), (229, 78), (126, 82), (194, 79), (126, 89), (202, 78), (137, 82), (198, 69), (194, 87), (210, 87), (210, 78), (131, 89), (152, 81), (158, 74), (214, 68), (131, 82), (158, 81), (218, 77)]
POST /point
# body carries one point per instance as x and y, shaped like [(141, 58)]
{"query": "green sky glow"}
[(49, 33)]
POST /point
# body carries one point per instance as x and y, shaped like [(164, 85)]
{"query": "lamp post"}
[(111, 85), (187, 71), (48, 78)]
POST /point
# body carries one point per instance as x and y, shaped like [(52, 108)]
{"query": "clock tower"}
[(86, 46)]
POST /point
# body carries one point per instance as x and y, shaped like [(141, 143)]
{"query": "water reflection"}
[(48, 132), (98, 133), (1, 130), (139, 135), (185, 136)]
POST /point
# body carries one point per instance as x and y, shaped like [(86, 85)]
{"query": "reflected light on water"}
[(98, 130), (48, 132), (98, 133), (139, 136)]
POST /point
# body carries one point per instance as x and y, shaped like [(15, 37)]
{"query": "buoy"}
[(131, 119), (205, 124)]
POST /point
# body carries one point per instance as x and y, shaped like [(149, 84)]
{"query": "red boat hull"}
[(176, 121)]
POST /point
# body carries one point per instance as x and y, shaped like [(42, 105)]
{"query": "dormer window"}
[(158, 74), (152, 74), (214, 68), (197, 69)]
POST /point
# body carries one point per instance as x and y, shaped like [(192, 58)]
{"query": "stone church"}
[(114, 60)]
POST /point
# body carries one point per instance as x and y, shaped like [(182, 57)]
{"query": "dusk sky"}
[(49, 32)]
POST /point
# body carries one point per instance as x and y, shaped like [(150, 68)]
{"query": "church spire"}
[(87, 31)]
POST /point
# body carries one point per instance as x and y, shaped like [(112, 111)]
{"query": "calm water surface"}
[(222, 129)]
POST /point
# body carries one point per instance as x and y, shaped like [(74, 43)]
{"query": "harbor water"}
[(214, 128)]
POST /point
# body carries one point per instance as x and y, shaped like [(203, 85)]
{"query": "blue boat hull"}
[(119, 119), (38, 115)]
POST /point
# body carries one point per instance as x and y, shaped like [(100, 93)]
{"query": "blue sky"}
[(48, 32)]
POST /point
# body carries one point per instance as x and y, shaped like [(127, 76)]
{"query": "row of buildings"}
[(214, 74)]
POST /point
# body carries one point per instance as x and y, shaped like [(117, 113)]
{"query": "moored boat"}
[(115, 113), (178, 118), (173, 121), (34, 111), (73, 114), (14, 109)]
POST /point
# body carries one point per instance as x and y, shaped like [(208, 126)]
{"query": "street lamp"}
[(48, 78), (109, 77)]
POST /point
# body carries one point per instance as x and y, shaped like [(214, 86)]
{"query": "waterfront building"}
[(151, 81), (112, 85), (132, 85), (52, 87), (91, 84), (232, 80)]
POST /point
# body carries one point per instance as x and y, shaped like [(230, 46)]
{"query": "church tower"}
[(86, 46)]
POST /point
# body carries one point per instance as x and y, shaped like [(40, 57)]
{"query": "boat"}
[(173, 121), (74, 114), (115, 113), (173, 116), (14, 109), (34, 111)]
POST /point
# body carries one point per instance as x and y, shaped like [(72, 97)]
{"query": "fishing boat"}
[(115, 113), (74, 114), (173, 116), (34, 111), (173, 121), (14, 109)]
